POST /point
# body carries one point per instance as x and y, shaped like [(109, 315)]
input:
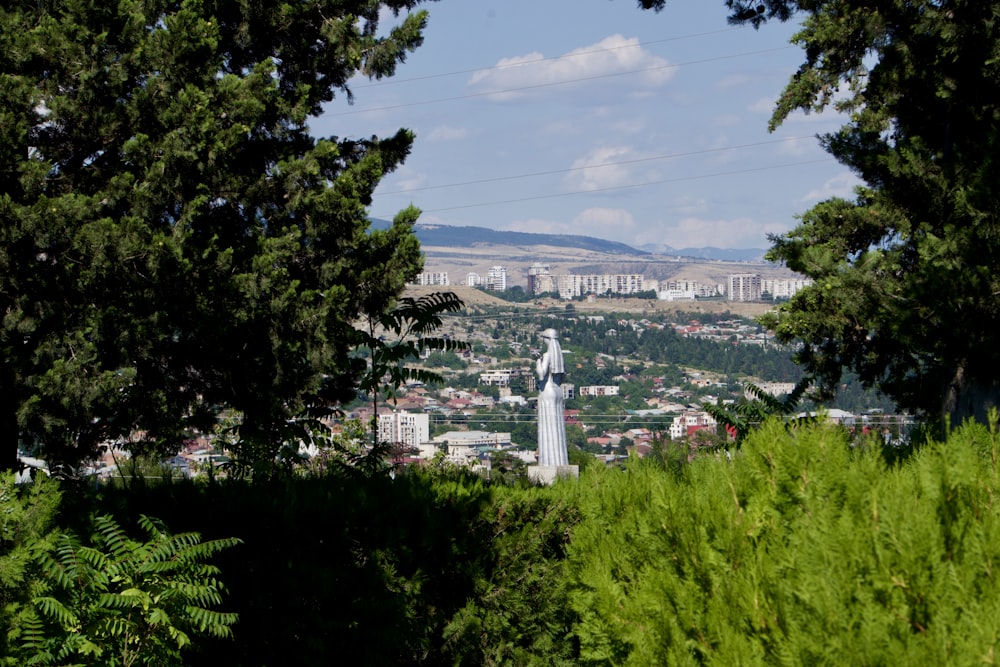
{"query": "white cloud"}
[(689, 205), (732, 81), (596, 170), (763, 105), (720, 155), (612, 55), (699, 232), (727, 120), (614, 223), (404, 180), (448, 133), (841, 185)]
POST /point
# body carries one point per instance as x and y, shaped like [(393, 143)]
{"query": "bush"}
[(802, 550)]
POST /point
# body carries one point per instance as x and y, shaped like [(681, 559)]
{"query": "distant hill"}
[(448, 236), (709, 252)]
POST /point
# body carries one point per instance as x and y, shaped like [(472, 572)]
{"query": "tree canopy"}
[(173, 240), (904, 293)]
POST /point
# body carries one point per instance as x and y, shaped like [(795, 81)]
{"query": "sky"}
[(593, 117)]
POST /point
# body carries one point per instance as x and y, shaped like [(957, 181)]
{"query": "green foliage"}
[(747, 414), (173, 240), (121, 601), (801, 550), (27, 515), (916, 81), (518, 612)]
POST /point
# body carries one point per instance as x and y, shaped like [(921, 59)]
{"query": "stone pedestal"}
[(547, 475)]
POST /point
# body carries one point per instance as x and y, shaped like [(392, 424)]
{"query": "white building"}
[(744, 287), (690, 420), (473, 279), (783, 288), (464, 446), (574, 285), (599, 390), (685, 290), (496, 279), (407, 428), (431, 278)]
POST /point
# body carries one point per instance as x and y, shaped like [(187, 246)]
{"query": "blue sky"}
[(593, 117)]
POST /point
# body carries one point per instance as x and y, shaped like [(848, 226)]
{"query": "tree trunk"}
[(967, 398)]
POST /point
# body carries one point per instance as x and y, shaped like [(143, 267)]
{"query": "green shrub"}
[(122, 602), (802, 550)]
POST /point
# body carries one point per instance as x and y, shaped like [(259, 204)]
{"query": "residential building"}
[(407, 428), (599, 390), (744, 287), (689, 422), (783, 288), (574, 285), (431, 278), (496, 279)]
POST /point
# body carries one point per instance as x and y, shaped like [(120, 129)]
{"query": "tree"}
[(904, 292), (172, 239), (904, 289)]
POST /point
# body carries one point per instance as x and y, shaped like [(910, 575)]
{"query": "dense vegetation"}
[(802, 548), (161, 198), (173, 240)]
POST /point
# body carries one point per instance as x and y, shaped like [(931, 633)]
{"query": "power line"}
[(394, 80), (556, 83), (663, 181), (667, 156)]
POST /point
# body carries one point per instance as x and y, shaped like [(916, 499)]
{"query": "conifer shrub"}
[(801, 550), (518, 611)]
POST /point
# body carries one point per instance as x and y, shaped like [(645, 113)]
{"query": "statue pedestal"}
[(547, 475)]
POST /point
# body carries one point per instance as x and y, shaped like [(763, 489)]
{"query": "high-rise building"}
[(407, 428), (744, 287), (496, 279), (539, 279)]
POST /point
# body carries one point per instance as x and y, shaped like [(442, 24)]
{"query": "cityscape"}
[(540, 280)]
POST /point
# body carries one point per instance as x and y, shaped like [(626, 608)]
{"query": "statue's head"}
[(550, 334)]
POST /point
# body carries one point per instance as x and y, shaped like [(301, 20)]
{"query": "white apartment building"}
[(688, 420), (496, 279), (473, 279), (404, 427), (573, 285), (599, 390), (783, 288), (744, 287), (685, 290), (431, 278)]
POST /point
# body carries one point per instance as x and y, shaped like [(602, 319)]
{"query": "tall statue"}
[(551, 426)]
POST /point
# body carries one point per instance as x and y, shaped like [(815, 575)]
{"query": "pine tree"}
[(172, 238)]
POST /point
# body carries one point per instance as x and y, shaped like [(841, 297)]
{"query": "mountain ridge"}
[(466, 236)]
